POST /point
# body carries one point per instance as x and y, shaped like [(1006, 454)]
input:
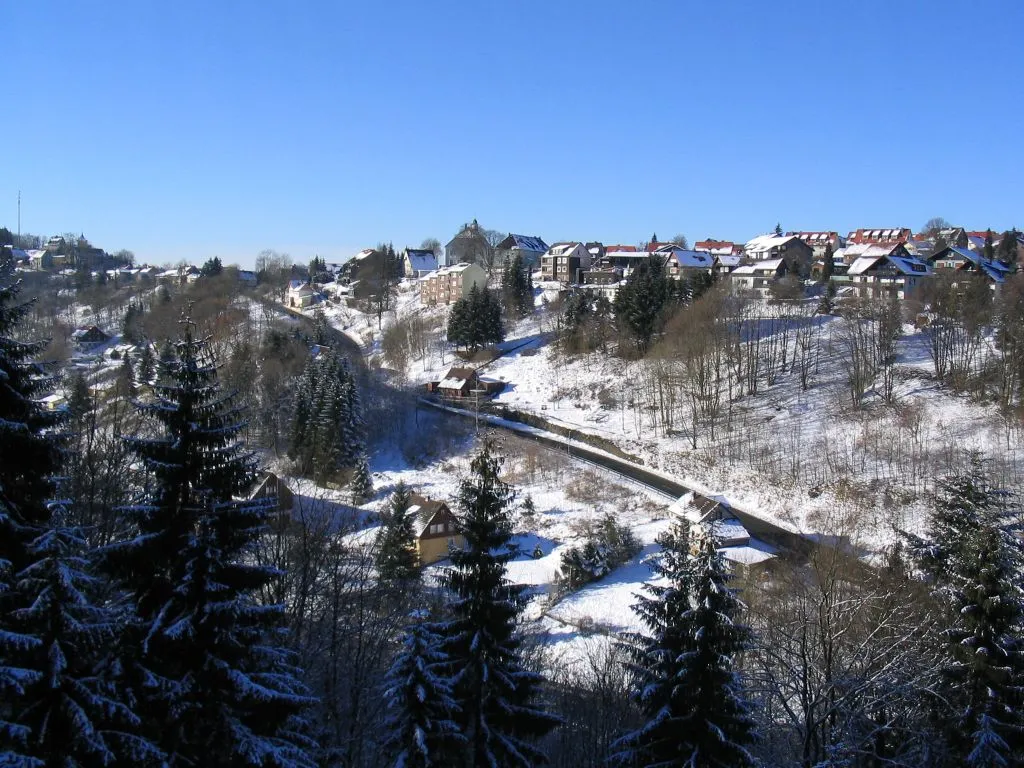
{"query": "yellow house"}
[(436, 530)]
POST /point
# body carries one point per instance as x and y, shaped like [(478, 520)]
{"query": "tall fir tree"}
[(497, 697), (73, 713), (396, 554), (828, 266), (989, 250), (640, 303), (201, 657), (29, 459), (475, 320), (422, 732), (362, 484), (698, 714), (327, 431), (975, 560)]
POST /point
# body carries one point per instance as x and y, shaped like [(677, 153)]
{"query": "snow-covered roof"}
[(363, 254), (560, 249), (528, 243), (767, 242), (692, 259), (904, 265), (727, 259), (627, 255), (749, 554), (421, 260)]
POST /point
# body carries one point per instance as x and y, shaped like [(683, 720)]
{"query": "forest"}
[(151, 613)]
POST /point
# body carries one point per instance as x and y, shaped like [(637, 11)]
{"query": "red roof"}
[(620, 248), (707, 245)]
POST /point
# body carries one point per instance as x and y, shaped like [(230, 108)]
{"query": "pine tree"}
[(200, 655), (362, 485), (396, 555), (496, 695), (828, 266), (145, 363), (327, 432), (421, 726), (640, 303), (1007, 250), (29, 458), (697, 712), (778, 229), (975, 562), (989, 251), (72, 713)]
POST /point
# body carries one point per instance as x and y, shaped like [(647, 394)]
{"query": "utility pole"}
[(19, 218)]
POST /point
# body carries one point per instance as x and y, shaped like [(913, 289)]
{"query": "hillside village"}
[(778, 383)]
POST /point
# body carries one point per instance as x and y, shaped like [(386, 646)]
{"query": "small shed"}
[(436, 529)]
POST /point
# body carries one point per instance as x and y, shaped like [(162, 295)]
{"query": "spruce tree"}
[(698, 714), (145, 363), (778, 229), (29, 458), (499, 715), (202, 658), (828, 266), (396, 555), (640, 303), (362, 485), (989, 251), (421, 728), (72, 713), (975, 561), (327, 432)]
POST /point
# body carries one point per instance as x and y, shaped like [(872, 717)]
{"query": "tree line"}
[(188, 630)]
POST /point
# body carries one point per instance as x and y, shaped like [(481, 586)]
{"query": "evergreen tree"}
[(975, 562), (212, 267), (362, 485), (145, 363), (828, 267), (29, 458), (1007, 250), (496, 695), (199, 655), (640, 303), (475, 320), (697, 712), (79, 399), (989, 251), (396, 554), (517, 288), (73, 714), (327, 433), (778, 229), (421, 726)]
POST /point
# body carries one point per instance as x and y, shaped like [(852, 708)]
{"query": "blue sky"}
[(188, 129)]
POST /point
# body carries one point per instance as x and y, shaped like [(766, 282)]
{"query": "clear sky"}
[(188, 129)]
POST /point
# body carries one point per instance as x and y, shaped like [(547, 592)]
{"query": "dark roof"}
[(424, 510)]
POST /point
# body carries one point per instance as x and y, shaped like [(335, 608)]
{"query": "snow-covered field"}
[(805, 459)]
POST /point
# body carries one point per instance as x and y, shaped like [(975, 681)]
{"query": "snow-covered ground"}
[(805, 459)]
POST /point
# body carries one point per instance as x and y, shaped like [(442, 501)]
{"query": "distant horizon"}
[(196, 129)]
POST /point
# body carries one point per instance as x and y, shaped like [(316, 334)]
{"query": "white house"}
[(564, 261), (300, 294), (757, 278), (900, 274)]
